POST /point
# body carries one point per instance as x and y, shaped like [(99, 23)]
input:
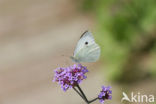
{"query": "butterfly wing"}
[(90, 53), (86, 37), (86, 50)]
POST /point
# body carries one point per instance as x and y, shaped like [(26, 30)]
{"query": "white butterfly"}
[(86, 50)]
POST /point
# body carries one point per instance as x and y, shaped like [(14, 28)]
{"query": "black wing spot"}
[(86, 43)]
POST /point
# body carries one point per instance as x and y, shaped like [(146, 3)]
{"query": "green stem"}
[(79, 93), (82, 93), (83, 96), (93, 100)]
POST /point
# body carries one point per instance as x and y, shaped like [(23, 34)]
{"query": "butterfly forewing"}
[(86, 50), (85, 39)]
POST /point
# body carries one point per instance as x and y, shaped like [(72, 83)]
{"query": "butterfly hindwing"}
[(89, 54)]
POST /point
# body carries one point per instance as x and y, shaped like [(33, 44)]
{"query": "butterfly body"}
[(86, 50)]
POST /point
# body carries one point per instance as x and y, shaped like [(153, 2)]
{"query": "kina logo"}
[(140, 98)]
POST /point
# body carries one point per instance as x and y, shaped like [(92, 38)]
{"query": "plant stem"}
[(79, 94), (93, 100), (83, 96), (82, 93)]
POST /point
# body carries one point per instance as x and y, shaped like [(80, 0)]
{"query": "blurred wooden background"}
[(34, 36)]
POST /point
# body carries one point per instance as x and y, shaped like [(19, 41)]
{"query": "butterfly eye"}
[(86, 43)]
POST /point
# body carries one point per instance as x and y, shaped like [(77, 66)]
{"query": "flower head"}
[(70, 76), (105, 94)]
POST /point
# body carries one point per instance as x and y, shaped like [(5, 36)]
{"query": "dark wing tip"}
[(83, 33)]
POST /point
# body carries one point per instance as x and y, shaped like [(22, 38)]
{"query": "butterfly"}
[(87, 50)]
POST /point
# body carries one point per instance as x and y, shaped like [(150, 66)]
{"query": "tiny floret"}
[(71, 76), (105, 94)]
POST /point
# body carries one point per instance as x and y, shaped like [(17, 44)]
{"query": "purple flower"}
[(105, 94), (70, 76)]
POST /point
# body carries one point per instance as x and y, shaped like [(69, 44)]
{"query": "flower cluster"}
[(105, 94), (70, 76)]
